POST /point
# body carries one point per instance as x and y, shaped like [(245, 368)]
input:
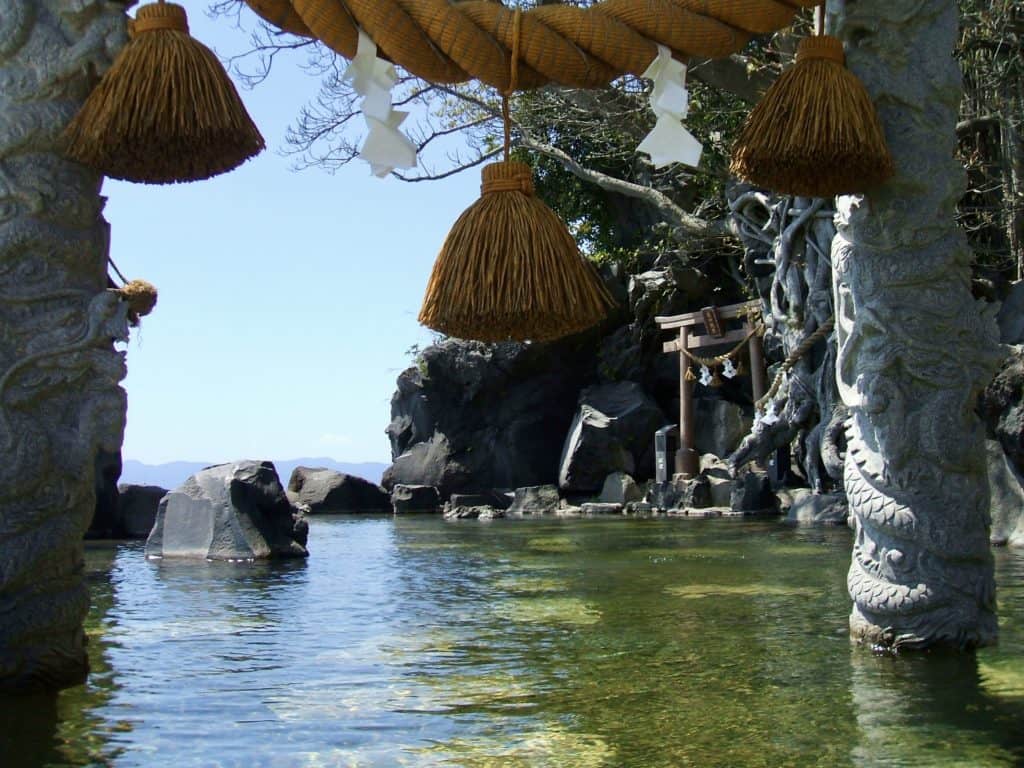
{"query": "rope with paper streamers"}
[(805, 346), (710, 364), (446, 42)]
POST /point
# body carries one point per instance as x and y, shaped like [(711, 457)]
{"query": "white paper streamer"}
[(669, 142), (386, 147)]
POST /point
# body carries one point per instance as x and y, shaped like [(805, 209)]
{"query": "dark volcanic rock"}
[(613, 431), (233, 511), (752, 493), (325, 490), (105, 521), (1006, 497), (496, 499), (471, 416), (680, 493), (480, 512), (415, 498), (136, 509), (592, 452), (534, 500), (818, 508), (1002, 407), (720, 426)]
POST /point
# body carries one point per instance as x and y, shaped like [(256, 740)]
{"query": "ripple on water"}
[(626, 644)]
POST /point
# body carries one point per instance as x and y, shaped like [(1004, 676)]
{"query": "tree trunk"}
[(60, 403), (915, 349)]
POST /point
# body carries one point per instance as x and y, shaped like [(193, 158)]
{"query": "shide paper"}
[(669, 142), (386, 147)]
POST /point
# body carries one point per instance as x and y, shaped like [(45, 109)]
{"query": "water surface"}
[(411, 641)]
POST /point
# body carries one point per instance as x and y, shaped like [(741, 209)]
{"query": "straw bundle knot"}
[(509, 269), (165, 111), (141, 298), (159, 16), (815, 133)]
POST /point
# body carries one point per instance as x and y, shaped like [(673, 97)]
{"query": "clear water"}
[(537, 643)]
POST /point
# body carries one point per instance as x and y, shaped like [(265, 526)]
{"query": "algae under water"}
[(584, 643)]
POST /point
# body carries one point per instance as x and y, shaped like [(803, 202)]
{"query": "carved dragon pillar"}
[(60, 402), (915, 348)]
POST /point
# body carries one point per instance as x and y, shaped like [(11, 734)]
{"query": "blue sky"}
[(287, 299)]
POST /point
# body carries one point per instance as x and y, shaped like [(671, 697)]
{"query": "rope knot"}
[(821, 47), (156, 16), (507, 176)]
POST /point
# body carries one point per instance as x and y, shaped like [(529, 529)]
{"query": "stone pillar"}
[(60, 403), (915, 348)]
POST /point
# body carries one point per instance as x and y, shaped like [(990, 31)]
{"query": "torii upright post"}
[(687, 460)]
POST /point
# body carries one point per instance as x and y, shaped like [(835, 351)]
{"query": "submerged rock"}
[(479, 512), (326, 490), (598, 508), (806, 506), (233, 511)]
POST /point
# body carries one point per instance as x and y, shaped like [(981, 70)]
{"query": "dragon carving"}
[(60, 401), (914, 350)]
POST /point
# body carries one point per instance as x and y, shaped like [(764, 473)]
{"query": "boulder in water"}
[(233, 511), (326, 490)]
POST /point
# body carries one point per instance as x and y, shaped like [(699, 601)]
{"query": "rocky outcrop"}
[(1002, 406), (137, 507), (471, 416), (105, 519), (719, 425), (807, 507), (229, 512), (324, 490), (534, 500), (752, 494), (1011, 315), (1007, 505), (620, 488), (613, 431), (415, 498), (131, 516)]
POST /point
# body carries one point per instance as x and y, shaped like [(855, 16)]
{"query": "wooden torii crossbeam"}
[(699, 330)]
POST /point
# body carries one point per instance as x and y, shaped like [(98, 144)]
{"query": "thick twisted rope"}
[(805, 346), (451, 42)]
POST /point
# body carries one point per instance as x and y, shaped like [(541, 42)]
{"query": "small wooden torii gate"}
[(714, 334)]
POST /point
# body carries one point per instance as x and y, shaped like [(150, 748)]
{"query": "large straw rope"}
[(452, 42)]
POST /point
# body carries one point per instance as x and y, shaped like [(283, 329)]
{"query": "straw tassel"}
[(690, 375), (165, 111), (815, 133), (141, 298), (509, 269)]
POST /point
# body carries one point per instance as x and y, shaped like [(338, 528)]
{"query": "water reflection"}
[(948, 709), (931, 710), (538, 643)]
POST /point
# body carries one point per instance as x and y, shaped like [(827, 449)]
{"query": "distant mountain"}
[(174, 473)]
